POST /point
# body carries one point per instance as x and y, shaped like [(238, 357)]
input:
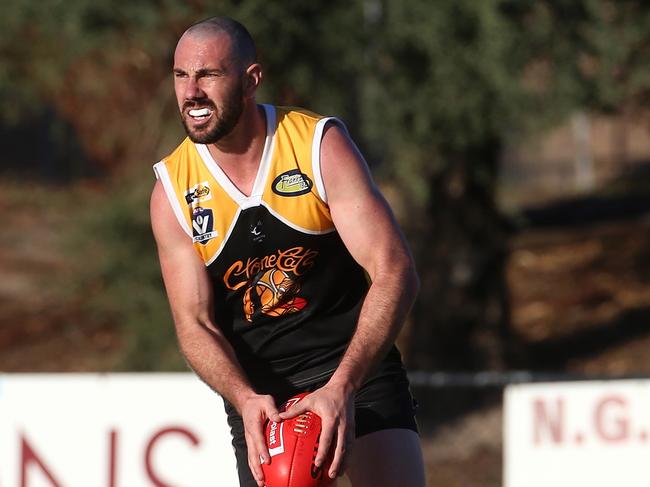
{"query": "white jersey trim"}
[(160, 170), (224, 181), (315, 154), (293, 225), (226, 237)]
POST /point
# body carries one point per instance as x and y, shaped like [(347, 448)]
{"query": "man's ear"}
[(252, 79)]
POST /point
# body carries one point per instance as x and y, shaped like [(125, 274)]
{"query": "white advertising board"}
[(113, 430), (577, 433)]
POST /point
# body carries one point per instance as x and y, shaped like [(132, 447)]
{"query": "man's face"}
[(208, 86)]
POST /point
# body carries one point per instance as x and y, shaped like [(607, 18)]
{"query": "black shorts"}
[(383, 402)]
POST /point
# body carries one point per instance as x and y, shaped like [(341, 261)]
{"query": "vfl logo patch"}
[(202, 225), (292, 183), (198, 194)]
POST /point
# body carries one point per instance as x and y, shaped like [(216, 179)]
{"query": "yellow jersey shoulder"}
[(180, 153), (298, 112)]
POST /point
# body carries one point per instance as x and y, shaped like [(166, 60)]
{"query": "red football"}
[(293, 444)]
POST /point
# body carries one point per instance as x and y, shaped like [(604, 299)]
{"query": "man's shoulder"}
[(180, 153), (297, 121), (297, 113)]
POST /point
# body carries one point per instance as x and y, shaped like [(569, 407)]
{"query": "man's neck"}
[(239, 153)]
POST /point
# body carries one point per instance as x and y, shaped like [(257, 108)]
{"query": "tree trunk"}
[(461, 319)]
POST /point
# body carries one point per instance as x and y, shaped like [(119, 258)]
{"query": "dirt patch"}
[(583, 294)]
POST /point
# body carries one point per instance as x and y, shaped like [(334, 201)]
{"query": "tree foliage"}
[(431, 91)]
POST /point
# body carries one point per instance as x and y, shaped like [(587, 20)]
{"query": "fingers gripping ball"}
[(293, 444)]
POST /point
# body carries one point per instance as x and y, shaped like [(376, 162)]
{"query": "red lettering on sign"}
[(548, 420), (27, 457), (611, 419), (112, 452), (579, 438), (150, 446)]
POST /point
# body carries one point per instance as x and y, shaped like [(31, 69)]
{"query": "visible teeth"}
[(199, 112)]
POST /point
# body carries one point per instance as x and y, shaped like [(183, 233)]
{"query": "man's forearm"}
[(213, 359), (384, 310)]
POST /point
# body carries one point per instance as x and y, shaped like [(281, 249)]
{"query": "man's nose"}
[(193, 89)]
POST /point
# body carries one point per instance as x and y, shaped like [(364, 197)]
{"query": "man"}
[(267, 223)]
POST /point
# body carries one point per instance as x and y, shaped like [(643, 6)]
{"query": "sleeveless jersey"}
[(287, 293)]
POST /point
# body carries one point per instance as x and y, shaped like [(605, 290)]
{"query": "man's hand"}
[(255, 410), (336, 410)]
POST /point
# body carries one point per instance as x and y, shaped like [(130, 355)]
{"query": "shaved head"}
[(242, 44), (215, 78)]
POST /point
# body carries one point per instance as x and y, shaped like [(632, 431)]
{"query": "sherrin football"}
[(293, 444)]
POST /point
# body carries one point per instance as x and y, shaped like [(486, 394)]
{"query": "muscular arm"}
[(366, 225), (204, 346), (369, 230)]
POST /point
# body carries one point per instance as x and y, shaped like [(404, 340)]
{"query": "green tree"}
[(455, 81), (447, 74), (432, 91)]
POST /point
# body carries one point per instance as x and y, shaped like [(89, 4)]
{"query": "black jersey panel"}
[(286, 308)]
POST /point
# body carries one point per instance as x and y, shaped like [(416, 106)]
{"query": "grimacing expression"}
[(209, 87), (219, 121)]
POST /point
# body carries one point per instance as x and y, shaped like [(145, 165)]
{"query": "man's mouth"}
[(199, 114)]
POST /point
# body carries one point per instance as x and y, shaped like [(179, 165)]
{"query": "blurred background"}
[(510, 136)]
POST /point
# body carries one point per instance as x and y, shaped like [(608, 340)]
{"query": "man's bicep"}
[(361, 215), (186, 281), (166, 227)]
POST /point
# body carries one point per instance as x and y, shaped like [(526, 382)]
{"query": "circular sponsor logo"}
[(292, 183)]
